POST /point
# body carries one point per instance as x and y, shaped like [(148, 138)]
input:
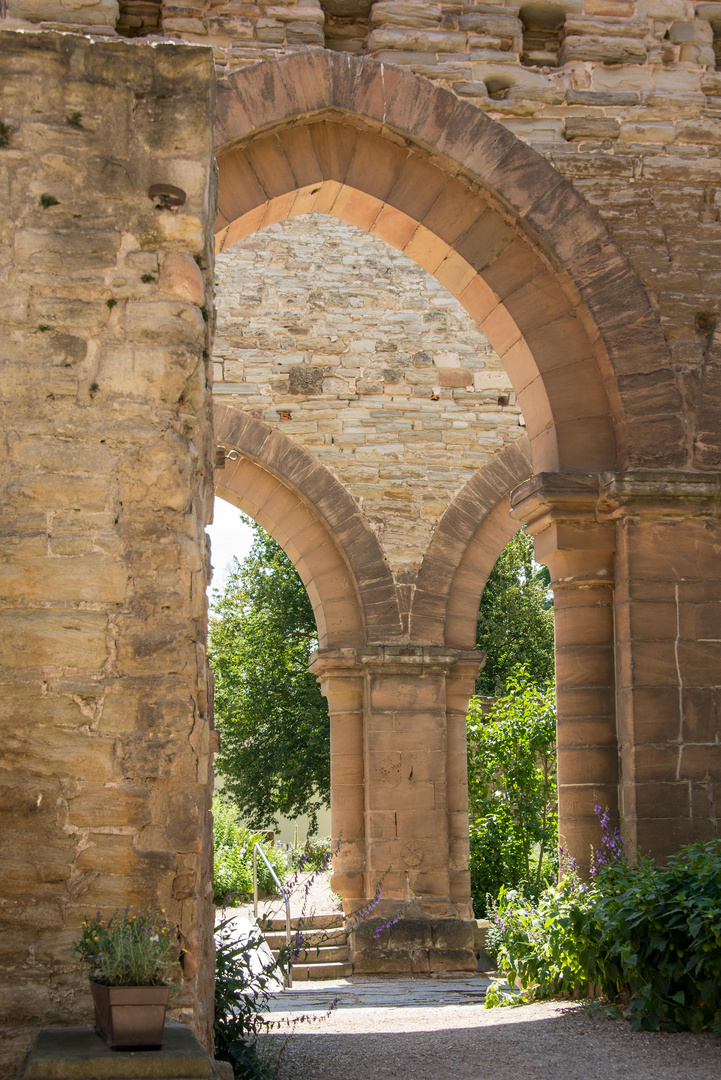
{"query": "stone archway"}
[(302, 505), (506, 235), (107, 474), (489, 217)]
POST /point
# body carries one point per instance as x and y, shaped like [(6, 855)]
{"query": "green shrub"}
[(645, 936), (233, 866), (314, 855), (512, 790), (245, 978)]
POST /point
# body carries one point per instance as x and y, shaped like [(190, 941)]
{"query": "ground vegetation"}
[(233, 857), (645, 937)]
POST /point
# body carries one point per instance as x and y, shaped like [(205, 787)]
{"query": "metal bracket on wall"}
[(222, 455)]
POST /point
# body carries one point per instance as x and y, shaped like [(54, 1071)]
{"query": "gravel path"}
[(390, 1028), (437, 1029)]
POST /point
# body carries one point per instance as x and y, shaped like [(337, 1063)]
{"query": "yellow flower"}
[(95, 939), (163, 910)]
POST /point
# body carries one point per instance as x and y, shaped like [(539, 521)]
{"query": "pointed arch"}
[(319, 526), (466, 545), (488, 216)]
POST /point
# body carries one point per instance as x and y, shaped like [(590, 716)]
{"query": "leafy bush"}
[(129, 949), (646, 936), (512, 790), (233, 866), (244, 980), (315, 854), (247, 975)]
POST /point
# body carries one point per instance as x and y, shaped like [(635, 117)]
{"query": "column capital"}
[(659, 493), (572, 516), (561, 513), (554, 496), (397, 659)]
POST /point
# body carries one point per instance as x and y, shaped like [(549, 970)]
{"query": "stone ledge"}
[(79, 1053)]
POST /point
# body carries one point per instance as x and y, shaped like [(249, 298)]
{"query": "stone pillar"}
[(105, 490), (398, 738), (668, 654), (341, 683), (561, 514)]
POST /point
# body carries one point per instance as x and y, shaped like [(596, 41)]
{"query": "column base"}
[(415, 946)]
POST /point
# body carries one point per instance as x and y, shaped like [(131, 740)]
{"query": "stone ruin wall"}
[(105, 488), (359, 355), (623, 97)]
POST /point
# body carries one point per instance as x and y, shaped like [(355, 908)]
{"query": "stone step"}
[(338, 955), (323, 938), (304, 972), (310, 922)]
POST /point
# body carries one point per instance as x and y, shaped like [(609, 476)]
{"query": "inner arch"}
[(529, 313), (309, 513), (529, 258)]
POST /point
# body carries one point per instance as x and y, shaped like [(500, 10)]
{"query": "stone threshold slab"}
[(79, 1053)]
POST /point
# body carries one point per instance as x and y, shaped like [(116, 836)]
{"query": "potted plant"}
[(130, 959)]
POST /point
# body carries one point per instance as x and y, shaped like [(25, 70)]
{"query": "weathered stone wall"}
[(356, 353), (106, 487), (623, 97)]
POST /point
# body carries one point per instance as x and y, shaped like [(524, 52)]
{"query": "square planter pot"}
[(130, 1016)]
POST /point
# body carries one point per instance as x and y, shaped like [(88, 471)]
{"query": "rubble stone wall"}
[(359, 355), (106, 486), (623, 97)]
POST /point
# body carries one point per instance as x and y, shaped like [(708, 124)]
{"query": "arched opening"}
[(507, 237), (484, 213), (273, 765)]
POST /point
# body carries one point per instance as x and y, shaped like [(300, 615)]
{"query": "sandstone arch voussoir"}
[(315, 519)]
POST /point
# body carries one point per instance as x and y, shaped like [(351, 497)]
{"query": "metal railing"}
[(257, 850)]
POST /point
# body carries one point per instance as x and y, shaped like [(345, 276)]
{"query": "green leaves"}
[(233, 857), (651, 934), (245, 977), (275, 731), (515, 619), (512, 789)]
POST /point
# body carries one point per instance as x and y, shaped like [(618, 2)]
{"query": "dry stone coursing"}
[(357, 354), (622, 97), (105, 488)]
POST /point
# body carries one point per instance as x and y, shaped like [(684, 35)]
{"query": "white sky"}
[(229, 536)]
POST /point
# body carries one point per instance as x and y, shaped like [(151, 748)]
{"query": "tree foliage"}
[(273, 719), (512, 789), (515, 620)]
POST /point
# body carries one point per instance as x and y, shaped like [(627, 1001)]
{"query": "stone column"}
[(341, 683), (561, 514), (398, 740), (668, 654)]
